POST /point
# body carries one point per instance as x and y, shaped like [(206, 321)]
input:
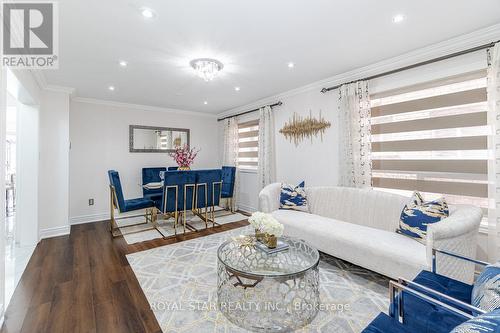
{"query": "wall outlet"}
[(91, 202)]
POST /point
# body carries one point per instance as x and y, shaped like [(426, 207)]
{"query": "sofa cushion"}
[(417, 214), (486, 290), (293, 197), (385, 252)]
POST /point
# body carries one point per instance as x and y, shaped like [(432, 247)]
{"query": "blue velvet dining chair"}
[(228, 181), (120, 208), (208, 193), (149, 176), (178, 197)]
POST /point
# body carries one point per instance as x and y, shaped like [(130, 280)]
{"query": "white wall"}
[(53, 186), (27, 175), (100, 142), (314, 162), (3, 112)]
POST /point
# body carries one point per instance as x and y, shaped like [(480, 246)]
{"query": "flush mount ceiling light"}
[(291, 65), (111, 88), (206, 68), (237, 88), (205, 102), (398, 18), (123, 63)]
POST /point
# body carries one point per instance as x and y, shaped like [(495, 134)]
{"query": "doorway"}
[(21, 183)]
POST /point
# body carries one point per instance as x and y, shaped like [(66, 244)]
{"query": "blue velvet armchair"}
[(486, 322), (446, 320), (129, 208), (228, 181), (424, 316)]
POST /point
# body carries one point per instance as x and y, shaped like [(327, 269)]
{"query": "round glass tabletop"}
[(243, 257)]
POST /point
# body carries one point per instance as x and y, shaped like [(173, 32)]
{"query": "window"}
[(248, 149), (433, 138)]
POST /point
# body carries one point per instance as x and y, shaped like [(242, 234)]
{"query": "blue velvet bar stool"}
[(208, 193), (152, 176), (178, 197), (130, 208), (228, 180)]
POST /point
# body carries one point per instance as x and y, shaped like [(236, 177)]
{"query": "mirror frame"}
[(131, 138)]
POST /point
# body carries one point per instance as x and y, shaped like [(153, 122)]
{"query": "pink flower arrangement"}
[(184, 156)]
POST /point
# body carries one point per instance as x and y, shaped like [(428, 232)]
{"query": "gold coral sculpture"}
[(299, 128)]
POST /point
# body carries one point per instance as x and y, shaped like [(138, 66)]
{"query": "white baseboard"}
[(54, 232), (247, 209), (88, 218)]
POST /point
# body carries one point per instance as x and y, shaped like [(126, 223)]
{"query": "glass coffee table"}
[(268, 292)]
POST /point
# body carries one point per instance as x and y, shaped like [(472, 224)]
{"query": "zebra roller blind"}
[(248, 144), (433, 138)]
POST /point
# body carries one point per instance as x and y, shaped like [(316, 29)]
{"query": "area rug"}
[(176, 277), (141, 233)]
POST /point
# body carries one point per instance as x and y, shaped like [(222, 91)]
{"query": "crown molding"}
[(476, 38), (44, 85), (67, 90), (141, 107)]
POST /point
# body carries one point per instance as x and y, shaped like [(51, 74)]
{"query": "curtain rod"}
[(427, 62), (242, 113)]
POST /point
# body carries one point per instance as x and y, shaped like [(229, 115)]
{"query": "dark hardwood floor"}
[(83, 283)]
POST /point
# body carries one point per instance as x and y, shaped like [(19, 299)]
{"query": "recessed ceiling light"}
[(398, 18), (147, 12), (123, 63), (205, 102), (112, 88), (237, 88), (291, 65)]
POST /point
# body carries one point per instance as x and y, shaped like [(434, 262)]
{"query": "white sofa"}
[(359, 226)]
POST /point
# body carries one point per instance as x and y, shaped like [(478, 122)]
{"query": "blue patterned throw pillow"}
[(486, 290), (418, 214), (293, 197), (486, 323)]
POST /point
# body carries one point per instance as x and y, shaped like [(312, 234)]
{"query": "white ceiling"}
[(254, 39)]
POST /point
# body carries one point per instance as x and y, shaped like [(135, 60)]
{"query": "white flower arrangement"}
[(266, 223)]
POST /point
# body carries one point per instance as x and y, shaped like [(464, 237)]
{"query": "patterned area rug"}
[(135, 235), (180, 283)]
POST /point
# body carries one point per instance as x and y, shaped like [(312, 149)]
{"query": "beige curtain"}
[(355, 135), (267, 157), (230, 152)]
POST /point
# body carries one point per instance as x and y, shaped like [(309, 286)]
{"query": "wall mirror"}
[(152, 139)]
